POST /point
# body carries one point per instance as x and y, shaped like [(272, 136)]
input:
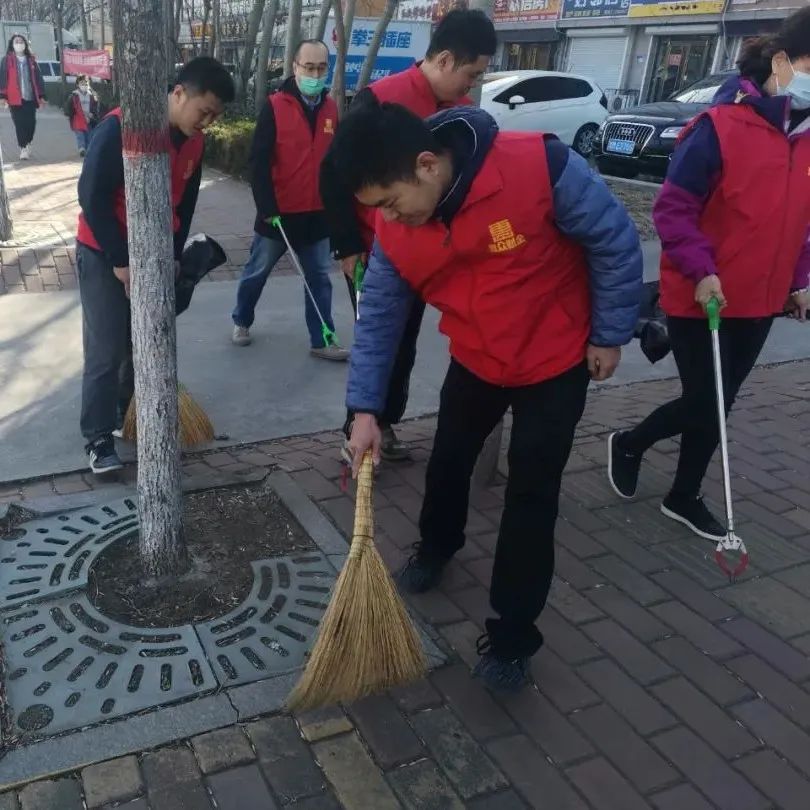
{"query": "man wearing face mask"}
[(82, 109), (22, 88), (455, 61), (734, 225), (293, 132)]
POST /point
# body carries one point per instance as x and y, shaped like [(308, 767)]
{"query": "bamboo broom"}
[(367, 642), (195, 426)]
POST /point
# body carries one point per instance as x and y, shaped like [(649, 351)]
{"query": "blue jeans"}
[(82, 139), (316, 262)]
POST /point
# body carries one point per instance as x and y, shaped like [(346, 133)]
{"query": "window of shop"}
[(679, 61), (529, 55)]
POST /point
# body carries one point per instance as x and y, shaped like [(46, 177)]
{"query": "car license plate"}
[(621, 147)]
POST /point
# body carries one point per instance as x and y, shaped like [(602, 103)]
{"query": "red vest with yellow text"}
[(299, 152), (13, 94), (183, 162), (512, 289), (756, 218), (412, 90)]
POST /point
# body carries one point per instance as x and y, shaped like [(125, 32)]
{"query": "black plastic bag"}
[(651, 329), (201, 255)]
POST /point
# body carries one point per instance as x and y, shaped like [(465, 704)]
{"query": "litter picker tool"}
[(731, 542), (329, 337)]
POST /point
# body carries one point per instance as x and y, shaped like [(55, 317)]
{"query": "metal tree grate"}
[(271, 630), (69, 666), (51, 556)]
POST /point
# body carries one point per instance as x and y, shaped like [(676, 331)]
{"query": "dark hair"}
[(467, 34), (377, 144), (309, 42), (793, 38), (10, 48), (82, 77), (204, 74)]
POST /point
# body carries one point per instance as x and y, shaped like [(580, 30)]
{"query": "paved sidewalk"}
[(660, 685)]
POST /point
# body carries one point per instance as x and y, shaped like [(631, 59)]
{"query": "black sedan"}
[(640, 140)]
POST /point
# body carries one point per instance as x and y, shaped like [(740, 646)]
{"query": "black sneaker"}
[(392, 449), (623, 468), (421, 573), (500, 674), (102, 456), (694, 514)]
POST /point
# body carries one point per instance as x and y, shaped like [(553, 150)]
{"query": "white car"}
[(569, 106)]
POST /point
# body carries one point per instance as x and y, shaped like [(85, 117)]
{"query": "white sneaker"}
[(25, 153), (334, 352), (241, 336)]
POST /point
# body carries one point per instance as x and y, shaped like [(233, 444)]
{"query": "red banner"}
[(91, 63)]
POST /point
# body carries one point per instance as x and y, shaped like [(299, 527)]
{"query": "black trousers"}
[(400, 383), (544, 417), (107, 380), (693, 416), (25, 122)]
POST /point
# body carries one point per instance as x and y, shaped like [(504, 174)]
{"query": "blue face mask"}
[(310, 86), (798, 88)]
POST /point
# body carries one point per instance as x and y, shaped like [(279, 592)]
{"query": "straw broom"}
[(195, 426), (367, 642)]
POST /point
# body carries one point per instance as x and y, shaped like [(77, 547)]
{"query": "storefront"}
[(678, 61), (527, 33)]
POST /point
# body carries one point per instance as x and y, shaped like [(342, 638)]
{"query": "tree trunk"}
[(83, 15), (374, 47), (265, 49), (216, 24), (102, 32), (6, 225), (141, 58), (254, 21), (293, 33), (178, 15), (348, 17), (339, 76), (323, 18), (206, 17), (168, 30), (60, 38)]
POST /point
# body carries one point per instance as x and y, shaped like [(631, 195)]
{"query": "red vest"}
[(13, 94), (756, 218), (183, 162), (513, 291), (78, 123), (412, 90), (298, 152)]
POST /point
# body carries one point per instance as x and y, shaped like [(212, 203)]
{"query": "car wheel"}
[(583, 140)]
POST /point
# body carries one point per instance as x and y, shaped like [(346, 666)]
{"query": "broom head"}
[(367, 642), (195, 426)]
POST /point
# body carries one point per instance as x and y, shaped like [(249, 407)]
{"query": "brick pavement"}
[(659, 686), (44, 205)]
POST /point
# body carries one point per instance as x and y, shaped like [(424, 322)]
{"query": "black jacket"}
[(302, 228), (103, 175)]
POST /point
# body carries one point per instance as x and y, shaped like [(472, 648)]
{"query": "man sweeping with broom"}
[(537, 271), (202, 89)]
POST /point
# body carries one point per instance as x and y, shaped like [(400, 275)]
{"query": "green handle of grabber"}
[(359, 272), (713, 311), (275, 222)]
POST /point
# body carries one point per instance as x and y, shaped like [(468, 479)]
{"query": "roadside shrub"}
[(227, 146)]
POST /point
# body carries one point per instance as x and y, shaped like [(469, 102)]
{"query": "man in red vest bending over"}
[(202, 89), (293, 132), (537, 271), (458, 54)]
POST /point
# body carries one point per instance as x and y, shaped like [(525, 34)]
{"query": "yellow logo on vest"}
[(504, 237), (328, 127)]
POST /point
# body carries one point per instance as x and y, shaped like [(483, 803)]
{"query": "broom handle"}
[(363, 535)]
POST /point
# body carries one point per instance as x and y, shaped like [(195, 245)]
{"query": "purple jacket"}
[(692, 176)]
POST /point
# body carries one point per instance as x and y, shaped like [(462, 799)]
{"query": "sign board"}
[(403, 44), (514, 11), (91, 63), (674, 8), (426, 10), (577, 9)]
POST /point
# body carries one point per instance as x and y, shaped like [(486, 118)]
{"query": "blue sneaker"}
[(500, 674), (421, 573), (102, 456)]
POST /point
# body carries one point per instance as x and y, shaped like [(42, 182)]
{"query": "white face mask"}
[(19, 48), (798, 88), (83, 88)]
